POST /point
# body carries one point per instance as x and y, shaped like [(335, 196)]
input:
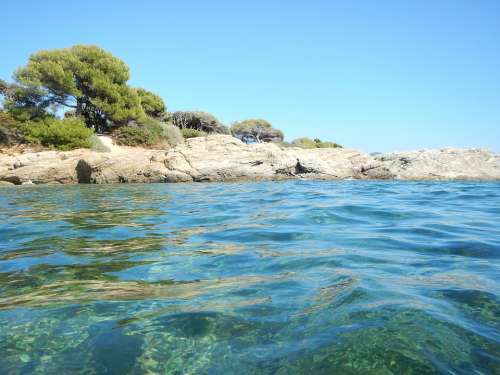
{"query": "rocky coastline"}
[(225, 158)]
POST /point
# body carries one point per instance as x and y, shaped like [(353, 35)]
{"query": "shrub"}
[(135, 136), (192, 133), (316, 143), (258, 130), (326, 144), (10, 130), (171, 134), (65, 134), (304, 143), (148, 133), (201, 121)]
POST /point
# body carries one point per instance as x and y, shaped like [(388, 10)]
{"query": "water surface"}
[(289, 277)]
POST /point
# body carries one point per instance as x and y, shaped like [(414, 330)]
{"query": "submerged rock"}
[(225, 158)]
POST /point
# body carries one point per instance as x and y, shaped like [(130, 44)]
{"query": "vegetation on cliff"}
[(191, 133), (65, 134), (316, 143), (50, 132), (152, 105), (88, 87), (86, 79), (10, 130), (150, 132), (201, 121), (256, 130)]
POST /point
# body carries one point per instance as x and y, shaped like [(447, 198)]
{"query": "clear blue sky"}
[(375, 75)]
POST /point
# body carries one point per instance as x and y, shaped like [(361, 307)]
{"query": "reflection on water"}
[(254, 278)]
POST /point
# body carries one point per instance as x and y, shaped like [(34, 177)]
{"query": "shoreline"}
[(222, 158)]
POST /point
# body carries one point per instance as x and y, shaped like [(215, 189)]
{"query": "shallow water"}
[(289, 277)]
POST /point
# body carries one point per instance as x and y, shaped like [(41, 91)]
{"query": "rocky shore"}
[(224, 158)]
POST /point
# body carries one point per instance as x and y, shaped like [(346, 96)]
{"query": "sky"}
[(373, 75)]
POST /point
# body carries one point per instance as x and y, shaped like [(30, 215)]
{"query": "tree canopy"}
[(85, 78), (90, 87), (258, 130), (24, 103), (3, 87), (152, 104)]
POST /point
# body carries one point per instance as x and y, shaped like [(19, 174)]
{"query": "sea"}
[(294, 277)]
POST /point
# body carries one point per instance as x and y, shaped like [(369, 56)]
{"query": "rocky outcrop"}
[(445, 164), (224, 158)]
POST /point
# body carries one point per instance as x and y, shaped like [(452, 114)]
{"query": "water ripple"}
[(270, 278)]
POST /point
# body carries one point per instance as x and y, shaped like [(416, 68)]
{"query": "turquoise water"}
[(294, 277)]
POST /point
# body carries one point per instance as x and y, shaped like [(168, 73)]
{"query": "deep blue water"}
[(297, 277)]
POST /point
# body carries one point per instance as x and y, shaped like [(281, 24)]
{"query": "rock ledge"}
[(224, 158)]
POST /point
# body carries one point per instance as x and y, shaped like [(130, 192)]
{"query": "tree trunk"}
[(79, 106)]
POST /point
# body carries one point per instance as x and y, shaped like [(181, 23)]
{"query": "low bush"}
[(150, 132), (135, 136), (304, 143), (192, 133), (316, 143), (202, 121), (171, 134), (326, 144), (65, 134), (10, 130)]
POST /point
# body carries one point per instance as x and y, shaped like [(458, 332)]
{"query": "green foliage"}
[(202, 121), (257, 129), (24, 103), (10, 130), (316, 143), (171, 134), (134, 136), (115, 106), (327, 144), (251, 124), (149, 132), (3, 87), (86, 78), (191, 133), (65, 134), (89, 83), (152, 104), (304, 143), (7, 120)]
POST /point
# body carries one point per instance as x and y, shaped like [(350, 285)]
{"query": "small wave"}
[(292, 277)]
